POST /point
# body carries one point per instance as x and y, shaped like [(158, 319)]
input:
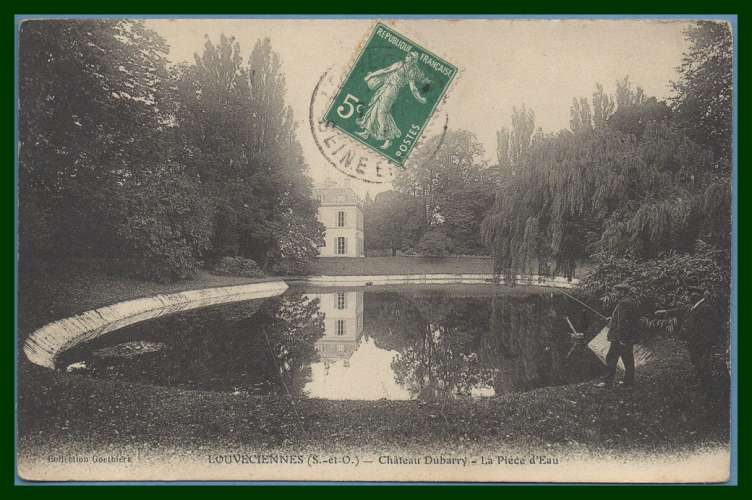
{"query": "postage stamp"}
[(390, 94)]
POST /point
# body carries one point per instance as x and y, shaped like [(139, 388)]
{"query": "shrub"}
[(434, 243), (166, 227), (663, 282), (237, 266), (297, 244)]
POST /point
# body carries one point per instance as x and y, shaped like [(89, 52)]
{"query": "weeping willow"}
[(575, 194)]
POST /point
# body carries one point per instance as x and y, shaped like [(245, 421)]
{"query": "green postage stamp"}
[(390, 94)]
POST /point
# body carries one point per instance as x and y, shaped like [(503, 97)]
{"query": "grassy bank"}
[(342, 266), (53, 292), (665, 412)]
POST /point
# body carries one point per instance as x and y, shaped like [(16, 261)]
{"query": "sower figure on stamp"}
[(700, 328), (378, 122), (623, 332)]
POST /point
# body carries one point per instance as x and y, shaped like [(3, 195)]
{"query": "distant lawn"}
[(344, 266)]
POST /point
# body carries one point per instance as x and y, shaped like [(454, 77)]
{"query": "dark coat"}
[(701, 326), (625, 322)]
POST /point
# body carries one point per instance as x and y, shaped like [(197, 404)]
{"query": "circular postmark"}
[(347, 155)]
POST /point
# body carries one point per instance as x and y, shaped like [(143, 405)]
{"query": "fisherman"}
[(700, 327), (623, 332)]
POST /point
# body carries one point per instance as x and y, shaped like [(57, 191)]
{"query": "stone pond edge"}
[(46, 343)]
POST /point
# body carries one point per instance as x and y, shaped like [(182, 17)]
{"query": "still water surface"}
[(354, 343)]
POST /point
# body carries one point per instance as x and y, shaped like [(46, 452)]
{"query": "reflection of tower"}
[(343, 324)]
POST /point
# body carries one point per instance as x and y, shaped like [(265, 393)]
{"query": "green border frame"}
[(384, 7)]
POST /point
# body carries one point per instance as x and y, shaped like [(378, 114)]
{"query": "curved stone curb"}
[(46, 343)]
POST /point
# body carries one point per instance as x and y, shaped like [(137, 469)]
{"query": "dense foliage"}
[(442, 196), (597, 189), (435, 243), (237, 266), (125, 157), (663, 283), (703, 95), (638, 186), (393, 221)]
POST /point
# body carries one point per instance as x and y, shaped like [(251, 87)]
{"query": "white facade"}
[(340, 213)]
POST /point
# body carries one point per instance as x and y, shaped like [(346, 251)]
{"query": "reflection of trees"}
[(224, 347), (520, 343), (438, 364), (297, 325), (436, 338), (448, 346)]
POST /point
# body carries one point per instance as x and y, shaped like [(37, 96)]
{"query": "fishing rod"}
[(582, 303)]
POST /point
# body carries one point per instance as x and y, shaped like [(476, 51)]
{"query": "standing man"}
[(623, 330), (701, 328)]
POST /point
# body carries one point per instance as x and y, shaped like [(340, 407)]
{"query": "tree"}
[(703, 95), (166, 227), (664, 282), (585, 119), (600, 190), (238, 138), (274, 146), (454, 186), (393, 220), (95, 151), (443, 162), (463, 210), (513, 145), (123, 158), (88, 93), (635, 111)]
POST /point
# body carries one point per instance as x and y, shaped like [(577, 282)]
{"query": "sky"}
[(503, 63)]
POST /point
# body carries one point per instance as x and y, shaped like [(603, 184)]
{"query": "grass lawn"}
[(342, 266), (55, 292), (664, 413)]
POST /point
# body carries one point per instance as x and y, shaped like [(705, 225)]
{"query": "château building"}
[(340, 213)]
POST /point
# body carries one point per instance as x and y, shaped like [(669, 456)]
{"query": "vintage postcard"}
[(424, 250)]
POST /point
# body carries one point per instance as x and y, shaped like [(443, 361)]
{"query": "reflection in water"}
[(349, 366), (343, 324), (415, 343)]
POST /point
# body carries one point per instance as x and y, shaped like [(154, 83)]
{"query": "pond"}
[(397, 343)]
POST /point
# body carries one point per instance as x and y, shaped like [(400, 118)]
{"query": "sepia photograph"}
[(363, 249)]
